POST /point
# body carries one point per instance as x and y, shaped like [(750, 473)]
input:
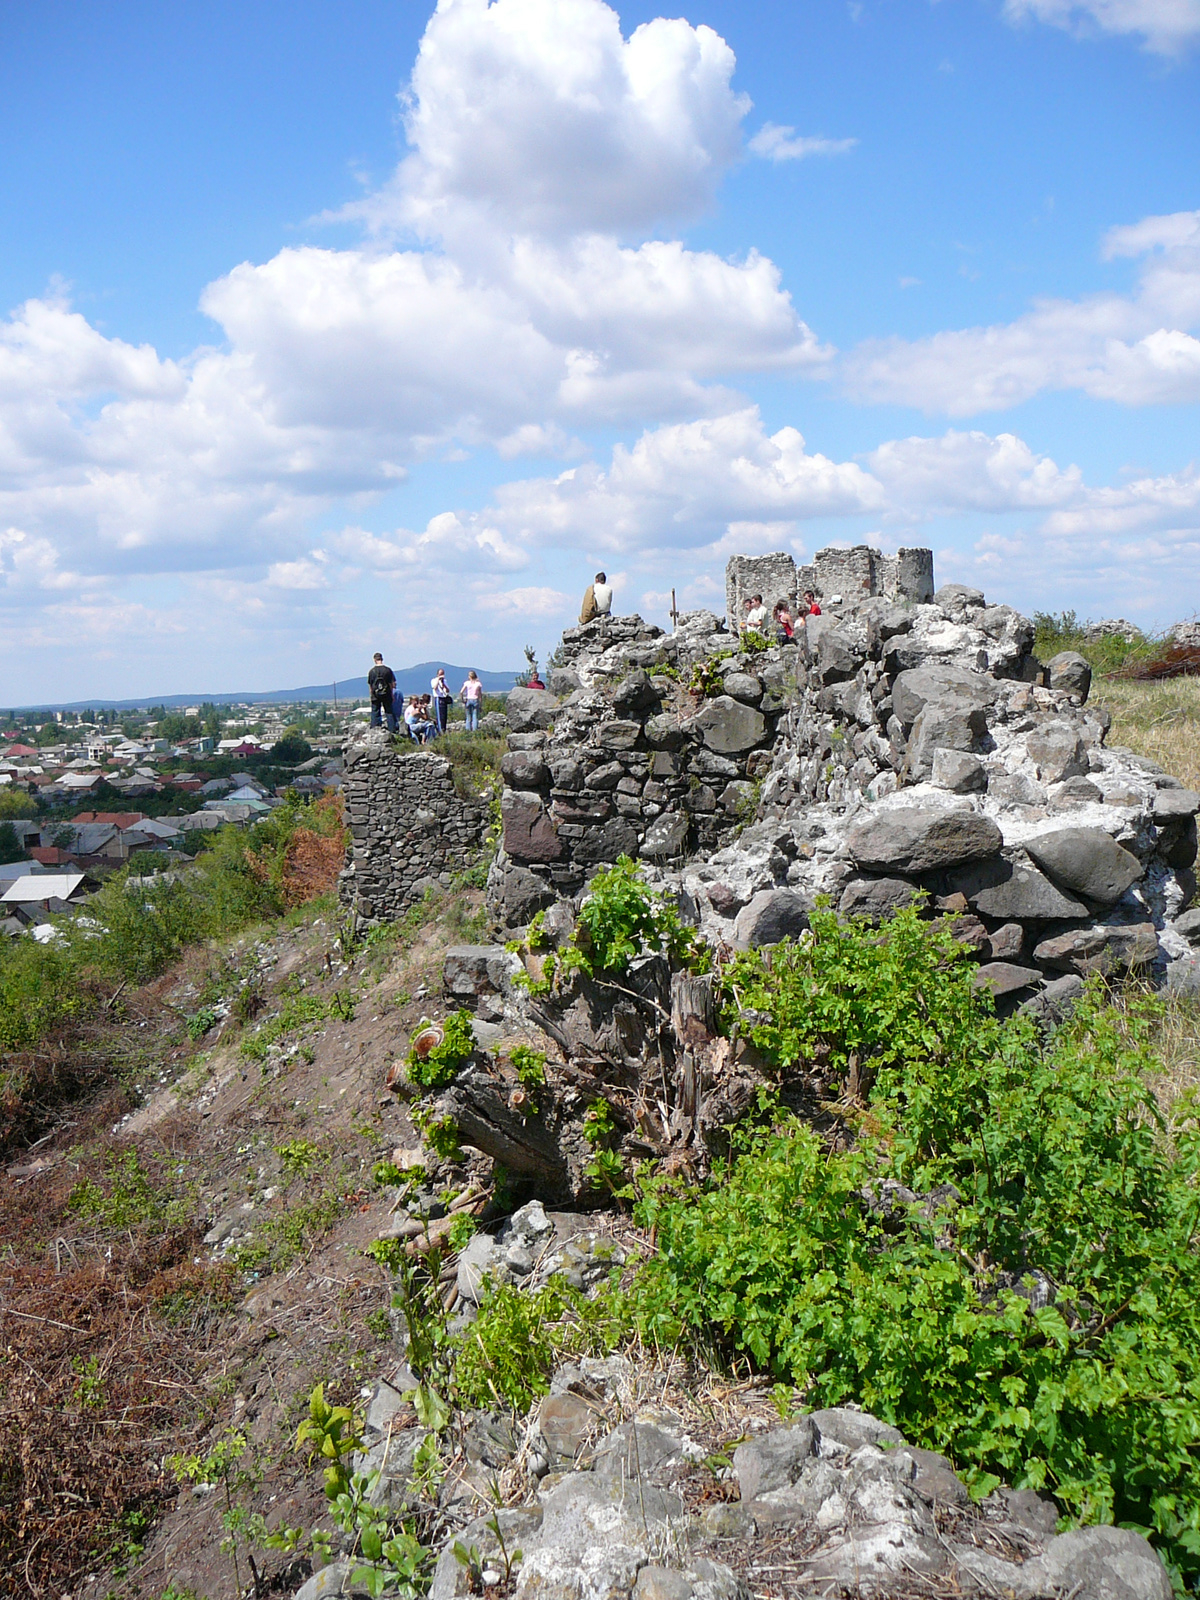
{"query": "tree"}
[(15, 802), (10, 845), (292, 748)]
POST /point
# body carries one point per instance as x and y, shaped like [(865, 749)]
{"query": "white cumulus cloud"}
[(1166, 27), (1138, 349)]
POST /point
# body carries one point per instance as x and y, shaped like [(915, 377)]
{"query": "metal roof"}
[(43, 886)]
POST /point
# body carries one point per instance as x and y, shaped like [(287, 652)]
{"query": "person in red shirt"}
[(782, 617), (811, 608)]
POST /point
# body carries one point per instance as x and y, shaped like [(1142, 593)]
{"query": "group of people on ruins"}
[(782, 625), (424, 716)]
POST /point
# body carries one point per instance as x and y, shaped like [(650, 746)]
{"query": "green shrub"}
[(128, 1196), (1049, 1180), (446, 1060), (622, 919)]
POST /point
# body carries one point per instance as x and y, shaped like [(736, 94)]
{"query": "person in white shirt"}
[(597, 602), (756, 617), (441, 699), (471, 695)]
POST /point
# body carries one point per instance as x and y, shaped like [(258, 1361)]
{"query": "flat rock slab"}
[(1005, 977), (920, 839), (530, 710), (1087, 861), (1107, 948), (1174, 805), (1015, 892), (730, 727), (876, 898)]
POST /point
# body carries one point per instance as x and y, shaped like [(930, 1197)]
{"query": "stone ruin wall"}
[(410, 831), (852, 575)]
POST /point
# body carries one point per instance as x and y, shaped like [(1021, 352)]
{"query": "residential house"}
[(46, 892)]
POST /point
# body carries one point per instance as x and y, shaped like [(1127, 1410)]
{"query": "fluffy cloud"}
[(1138, 349), (1167, 27), (537, 116)]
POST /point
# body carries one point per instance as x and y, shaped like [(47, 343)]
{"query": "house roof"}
[(43, 886), (21, 750), (119, 819)]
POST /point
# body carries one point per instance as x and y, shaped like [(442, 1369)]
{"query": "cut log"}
[(548, 1149)]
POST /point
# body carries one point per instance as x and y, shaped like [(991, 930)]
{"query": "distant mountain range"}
[(411, 680)]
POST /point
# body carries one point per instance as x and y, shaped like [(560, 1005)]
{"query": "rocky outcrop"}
[(907, 744), (631, 1502)]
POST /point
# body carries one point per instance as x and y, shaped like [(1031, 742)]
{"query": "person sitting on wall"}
[(597, 602), (784, 628), (756, 617), (381, 681), (414, 720), (471, 695)]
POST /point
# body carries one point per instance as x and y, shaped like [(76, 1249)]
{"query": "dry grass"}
[(1159, 720)]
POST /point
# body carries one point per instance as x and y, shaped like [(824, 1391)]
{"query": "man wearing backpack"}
[(381, 681)]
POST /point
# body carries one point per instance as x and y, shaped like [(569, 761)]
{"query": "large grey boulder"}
[(667, 835), (525, 769), (515, 895), (529, 710), (775, 1460), (743, 686), (616, 837), (1175, 805), (1004, 977), (665, 731), (837, 658), (729, 727), (1070, 671), (635, 695), (1098, 1564), (957, 771), (1107, 948), (1057, 751), (839, 1429), (913, 690), (959, 601), (478, 972), (944, 727), (771, 916), (1087, 861), (922, 839), (1016, 892)]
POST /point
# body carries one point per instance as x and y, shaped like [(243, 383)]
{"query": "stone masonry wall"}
[(856, 574), (409, 830)]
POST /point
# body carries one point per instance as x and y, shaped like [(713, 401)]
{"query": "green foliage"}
[(16, 804), (11, 848), (506, 1356), (284, 1236), (299, 1157), (446, 1060), (224, 1467), (461, 1229), (298, 1011), (39, 991), (622, 919), (754, 642), (200, 1022), (529, 1065), (1063, 630), (1038, 1318), (128, 1196), (707, 678)]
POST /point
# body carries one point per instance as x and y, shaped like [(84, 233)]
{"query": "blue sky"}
[(334, 326)]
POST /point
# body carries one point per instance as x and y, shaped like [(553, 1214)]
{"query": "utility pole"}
[(674, 613)]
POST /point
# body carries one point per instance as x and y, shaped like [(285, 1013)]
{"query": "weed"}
[(128, 1196), (299, 1157), (298, 1011)]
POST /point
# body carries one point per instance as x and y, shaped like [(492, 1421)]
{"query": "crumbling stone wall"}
[(409, 830), (860, 573)]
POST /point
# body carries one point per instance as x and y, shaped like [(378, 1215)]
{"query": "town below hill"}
[(410, 680)]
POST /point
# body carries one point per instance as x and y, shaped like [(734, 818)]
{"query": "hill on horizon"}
[(411, 680)]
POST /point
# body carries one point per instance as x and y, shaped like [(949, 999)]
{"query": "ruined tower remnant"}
[(853, 574)]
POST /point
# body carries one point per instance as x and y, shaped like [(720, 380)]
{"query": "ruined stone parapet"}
[(409, 829), (847, 576)]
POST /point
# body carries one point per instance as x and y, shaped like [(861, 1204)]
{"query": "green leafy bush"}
[(446, 1060), (622, 919), (129, 1196), (509, 1353), (1037, 1314)]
